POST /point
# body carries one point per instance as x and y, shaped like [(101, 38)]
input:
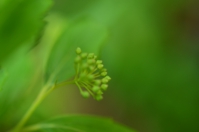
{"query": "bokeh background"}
[(151, 52)]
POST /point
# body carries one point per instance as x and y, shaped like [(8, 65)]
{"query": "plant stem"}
[(43, 93), (35, 104), (64, 84)]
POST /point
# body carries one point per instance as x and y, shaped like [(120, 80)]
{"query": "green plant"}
[(20, 26), (91, 75), (88, 75)]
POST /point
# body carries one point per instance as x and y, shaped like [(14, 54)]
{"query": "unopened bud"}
[(91, 68), (95, 88), (100, 66), (77, 59), (84, 55), (90, 56), (85, 94), (99, 92), (90, 61), (78, 50), (104, 86), (99, 97), (104, 70), (108, 77), (104, 80), (99, 62), (104, 73), (97, 82)]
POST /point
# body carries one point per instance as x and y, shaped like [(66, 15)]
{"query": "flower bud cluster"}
[(91, 76)]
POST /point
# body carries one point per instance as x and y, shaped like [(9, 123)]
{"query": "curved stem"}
[(64, 84), (80, 89), (77, 71), (41, 96), (87, 88), (30, 111)]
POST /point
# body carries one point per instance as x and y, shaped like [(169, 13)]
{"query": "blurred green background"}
[(150, 50)]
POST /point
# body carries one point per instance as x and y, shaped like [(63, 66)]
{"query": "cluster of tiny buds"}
[(91, 76)]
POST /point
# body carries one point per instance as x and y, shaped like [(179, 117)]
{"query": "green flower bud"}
[(90, 61), (109, 78), (84, 55), (99, 92), (99, 62), (104, 73), (78, 50), (89, 71), (95, 89), (104, 80), (91, 68), (98, 82), (99, 97), (85, 94), (104, 86), (90, 56), (100, 66), (104, 70), (77, 59)]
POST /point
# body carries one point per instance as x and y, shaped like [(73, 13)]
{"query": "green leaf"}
[(14, 94), (3, 77), (20, 20), (84, 33), (78, 123)]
